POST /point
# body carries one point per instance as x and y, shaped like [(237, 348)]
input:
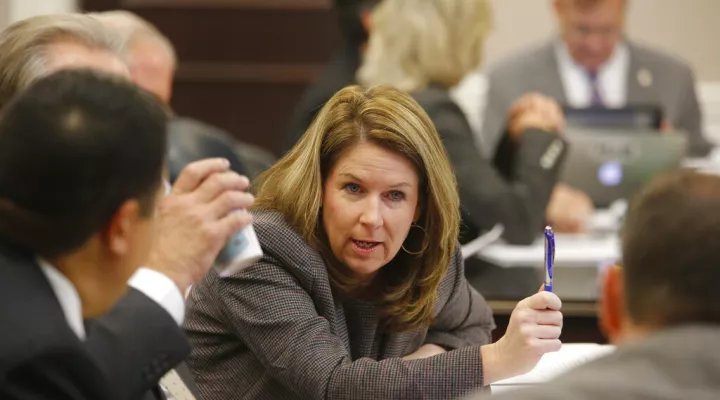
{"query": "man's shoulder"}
[(32, 320), (434, 98), (652, 57), (601, 379), (640, 370), (187, 125), (521, 62)]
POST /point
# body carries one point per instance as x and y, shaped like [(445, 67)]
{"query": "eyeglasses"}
[(584, 32)]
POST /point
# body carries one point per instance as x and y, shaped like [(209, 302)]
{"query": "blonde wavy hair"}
[(406, 290), (417, 42)]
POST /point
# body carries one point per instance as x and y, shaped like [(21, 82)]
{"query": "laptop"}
[(633, 116), (613, 164)]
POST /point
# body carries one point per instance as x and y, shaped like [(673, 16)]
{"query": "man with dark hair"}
[(661, 307), (340, 71), (81, 161), (133, 343)]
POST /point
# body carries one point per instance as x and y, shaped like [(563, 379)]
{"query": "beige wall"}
[(4, 12), (14, 10), (686, 28)]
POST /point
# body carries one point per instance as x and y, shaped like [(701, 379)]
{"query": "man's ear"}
[(611, 307), (117, 235), (366, 20)]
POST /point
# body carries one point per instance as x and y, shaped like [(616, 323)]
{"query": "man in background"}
[(152, 62), (661, 306), (593, 63), (192, 224), (75, 224)]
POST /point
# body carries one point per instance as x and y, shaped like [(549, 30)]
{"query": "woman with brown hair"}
[(361, 292)]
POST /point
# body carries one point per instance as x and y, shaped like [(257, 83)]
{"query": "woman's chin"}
[(366, 268)]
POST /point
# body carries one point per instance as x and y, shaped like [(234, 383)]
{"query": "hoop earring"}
[(421, 250)]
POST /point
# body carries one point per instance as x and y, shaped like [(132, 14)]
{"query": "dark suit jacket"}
[(514, 190), (275, 331), (536, 70), (124, 356), (339, 73), (191, 140), (680, 363)]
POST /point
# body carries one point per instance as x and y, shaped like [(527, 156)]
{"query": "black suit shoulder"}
[(125, 353), (40, 356), (29, 307), (449, 120)]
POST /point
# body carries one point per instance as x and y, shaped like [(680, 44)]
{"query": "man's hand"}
[(569, 209), (666, 126), (535, 111), (197, 218)]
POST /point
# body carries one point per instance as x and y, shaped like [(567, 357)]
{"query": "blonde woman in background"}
[(426, 47), (361, 293)]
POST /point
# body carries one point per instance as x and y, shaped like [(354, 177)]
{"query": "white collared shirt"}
[(611, 78), (152, 283)]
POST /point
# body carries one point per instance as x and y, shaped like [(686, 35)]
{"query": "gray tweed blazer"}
[(275, 331)]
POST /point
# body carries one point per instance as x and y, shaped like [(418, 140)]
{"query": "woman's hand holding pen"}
[(534, 329)]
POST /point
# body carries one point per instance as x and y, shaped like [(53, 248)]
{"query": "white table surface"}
[(580, 251), (554, 364), (570, 251)]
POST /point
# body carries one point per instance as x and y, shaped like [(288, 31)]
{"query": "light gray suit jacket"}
[(536, 70), (276, 331)]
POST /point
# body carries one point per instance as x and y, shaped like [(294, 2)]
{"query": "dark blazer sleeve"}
[(276, 319), (58, 373), (488, 198), (690, 117), (466, 319), (135, 344)]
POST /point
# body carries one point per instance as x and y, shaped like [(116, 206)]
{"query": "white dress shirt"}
[(611, 78), (153, 284)]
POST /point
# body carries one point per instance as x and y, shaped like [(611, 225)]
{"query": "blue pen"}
[(549, 258)]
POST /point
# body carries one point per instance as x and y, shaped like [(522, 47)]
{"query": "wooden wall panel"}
[(243, 64)]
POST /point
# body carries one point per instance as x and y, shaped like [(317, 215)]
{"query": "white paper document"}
[(553, 364)]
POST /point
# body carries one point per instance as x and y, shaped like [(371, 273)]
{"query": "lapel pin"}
[(644, 77)]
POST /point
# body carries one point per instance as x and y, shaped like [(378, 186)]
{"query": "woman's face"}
[(370, 200)]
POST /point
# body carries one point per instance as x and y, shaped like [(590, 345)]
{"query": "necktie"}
[(174, 387), (595, 96)]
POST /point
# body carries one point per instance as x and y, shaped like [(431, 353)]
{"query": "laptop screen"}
[(632, 117)]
